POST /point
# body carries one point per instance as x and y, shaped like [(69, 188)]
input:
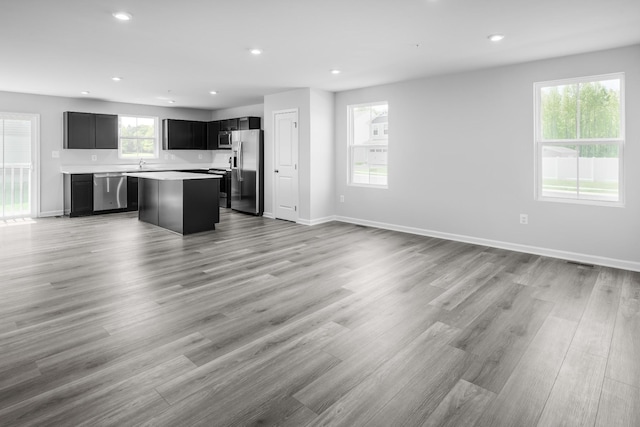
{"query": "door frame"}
[(275, 191), (35, 157)]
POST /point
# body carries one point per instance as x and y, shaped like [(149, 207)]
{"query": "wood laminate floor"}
[(109, 321)]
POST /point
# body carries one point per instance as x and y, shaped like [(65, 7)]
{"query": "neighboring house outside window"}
[(368, 144), (138, 137), (579, 138)]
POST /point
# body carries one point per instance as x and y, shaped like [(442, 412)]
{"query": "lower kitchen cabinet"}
[(78, 194), (182, 205), (132, 193)]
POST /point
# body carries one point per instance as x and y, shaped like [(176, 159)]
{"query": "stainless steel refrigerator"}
[(247, 163)]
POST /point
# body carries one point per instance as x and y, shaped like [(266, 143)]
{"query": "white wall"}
[(295, 99), (322, 156), (50, 109), (256, 110), (316, 183), (461, 162)]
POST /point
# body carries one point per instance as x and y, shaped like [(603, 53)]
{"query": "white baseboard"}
[(316, 221), (304, 221), (50, 213), (570, 256)]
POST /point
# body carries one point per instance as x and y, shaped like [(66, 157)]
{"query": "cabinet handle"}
[(276, 171)]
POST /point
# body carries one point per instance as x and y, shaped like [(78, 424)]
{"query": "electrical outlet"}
[(94, 157), (166, 156), (524, 219), (200, 156), (55, 154), (173, 157), (341, 199)]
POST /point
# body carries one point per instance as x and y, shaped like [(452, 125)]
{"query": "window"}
[(579, 137), (368, 144), (138, 137), (18, 176)]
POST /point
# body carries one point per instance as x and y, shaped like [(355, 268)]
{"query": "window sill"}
[(382, 187), (582, 202)]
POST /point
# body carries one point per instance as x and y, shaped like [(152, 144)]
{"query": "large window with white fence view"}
[(17, 133), (579, 137), (138, 137), (368, 144)]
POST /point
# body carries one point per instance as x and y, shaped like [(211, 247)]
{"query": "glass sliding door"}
[(17, 146)]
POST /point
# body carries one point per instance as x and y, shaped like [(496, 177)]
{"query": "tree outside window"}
[(580, 139), (138, 137)]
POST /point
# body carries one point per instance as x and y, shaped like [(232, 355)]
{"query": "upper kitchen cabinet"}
[(241, 123), (229, 124), (90, 131), (245, 123), (106, 131), (184, 135), (199, 135), (176, 134), (213, 128)]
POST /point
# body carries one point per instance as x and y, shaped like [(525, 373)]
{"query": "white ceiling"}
[(182, 49)]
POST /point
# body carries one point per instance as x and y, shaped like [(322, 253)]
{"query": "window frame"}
[(540, 142), (350, 145), (156, 138)]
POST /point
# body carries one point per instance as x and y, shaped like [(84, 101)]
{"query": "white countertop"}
[(77, 169), (172, 176), (224, 166)]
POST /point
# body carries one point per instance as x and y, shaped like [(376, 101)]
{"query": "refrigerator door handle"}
[(240, 160)]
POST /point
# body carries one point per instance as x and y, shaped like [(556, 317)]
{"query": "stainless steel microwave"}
[(224, 140)]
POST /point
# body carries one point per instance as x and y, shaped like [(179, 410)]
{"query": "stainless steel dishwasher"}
[(109, 191)]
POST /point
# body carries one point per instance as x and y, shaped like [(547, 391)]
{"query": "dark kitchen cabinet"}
[(199, 135), (78, 197), (132, 193), (78, 130), (176, 134), (90, 131), (213, 128), (229, 124), (184, 135), (245, 123), (106, 131)]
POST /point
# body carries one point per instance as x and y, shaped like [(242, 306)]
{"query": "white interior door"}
[(18, 148), (286, 165)]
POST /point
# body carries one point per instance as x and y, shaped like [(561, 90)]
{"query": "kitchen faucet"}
[(141, 163)]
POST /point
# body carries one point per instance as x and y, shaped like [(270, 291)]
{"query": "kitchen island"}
[(178, 201)]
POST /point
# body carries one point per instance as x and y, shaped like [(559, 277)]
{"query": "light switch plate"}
[(94, 157)]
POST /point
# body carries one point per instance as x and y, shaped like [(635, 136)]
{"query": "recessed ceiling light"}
[(213, 92), (122, 16), (85, 92), (496, 37), (255, 51), (116, 78), (335, 71)]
